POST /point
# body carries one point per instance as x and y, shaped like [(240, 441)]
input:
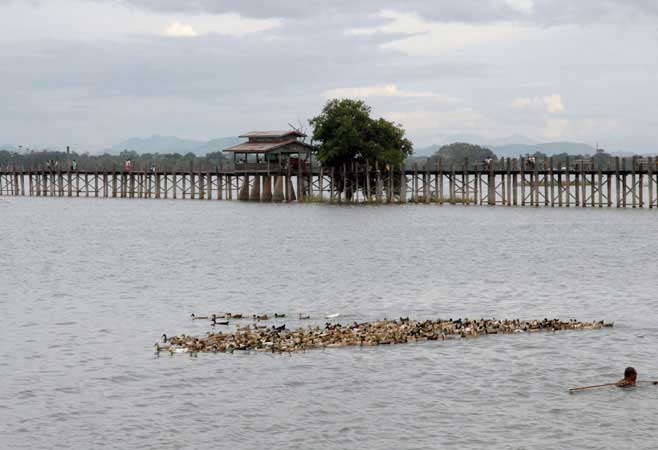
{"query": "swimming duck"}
[(198, 317), (303, 317)]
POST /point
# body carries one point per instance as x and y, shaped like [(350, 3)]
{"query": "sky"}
[(91, 73)]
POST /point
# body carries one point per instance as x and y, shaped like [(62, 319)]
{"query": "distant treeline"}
[(458, 152), (43, 160)]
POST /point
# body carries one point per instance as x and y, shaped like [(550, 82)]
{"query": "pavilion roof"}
[(273, 134)]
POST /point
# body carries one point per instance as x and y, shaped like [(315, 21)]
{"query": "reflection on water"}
[(88, 286)]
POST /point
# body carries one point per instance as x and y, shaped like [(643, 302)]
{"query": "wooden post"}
[(641, 187), (426, 185), (651, 163), (300, 181), (600, 187), (332, 186), (536, 182), (220, 185), (624, 187), (583, 186), (609, 186), (254, 196), (492, 184), (440, 171), (453, 184), (568, 181), (503, 184), (367, 183), (515, 187), (633, 182), (131, 187), (403, 185), (165, 187), (378, 175), (592, 200), (617, 182), (552, 181), (577, 181), (548, 201), (414, 185), (476, 182), (465, 186), (267, 189), (522, 172)]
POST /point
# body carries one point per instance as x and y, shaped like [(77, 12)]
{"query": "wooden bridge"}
[(622, 183)]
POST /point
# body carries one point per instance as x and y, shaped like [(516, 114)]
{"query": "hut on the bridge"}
[(280, 153), (271, 150)]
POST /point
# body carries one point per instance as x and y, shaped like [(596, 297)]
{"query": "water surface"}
[(87, 286)]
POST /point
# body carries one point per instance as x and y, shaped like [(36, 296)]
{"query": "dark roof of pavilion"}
[(272, 134), (266, 147)]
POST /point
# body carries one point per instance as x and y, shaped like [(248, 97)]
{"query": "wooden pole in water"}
[(552, 181), (651, 163), (577, 177), (592, 189), (521, 170), (600, 184), (403, 185), (440, 172), (609, 185), (465, 183), (453, 184), (503, 186), (633, 183), (535, 171), (378, 175), (476, 188), (426, 185), (641, 187), (583, 186), (332, 186)]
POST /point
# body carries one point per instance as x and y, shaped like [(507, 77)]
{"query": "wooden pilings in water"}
[(621, 183)]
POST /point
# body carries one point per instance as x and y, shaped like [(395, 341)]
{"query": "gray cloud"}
[(96, 91), (544, 11)]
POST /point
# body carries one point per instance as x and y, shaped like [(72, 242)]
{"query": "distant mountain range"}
[(173, 144)]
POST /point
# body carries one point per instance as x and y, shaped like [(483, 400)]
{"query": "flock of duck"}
[(279, 339)]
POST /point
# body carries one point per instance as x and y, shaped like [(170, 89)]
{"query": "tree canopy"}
[(459, 151), (346, 133), (33, 160)]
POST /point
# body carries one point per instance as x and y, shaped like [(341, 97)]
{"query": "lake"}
[(88, 286)]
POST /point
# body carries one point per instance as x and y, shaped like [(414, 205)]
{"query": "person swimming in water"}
[(630, 378)]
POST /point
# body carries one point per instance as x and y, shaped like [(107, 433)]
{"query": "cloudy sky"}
[(91, 73)]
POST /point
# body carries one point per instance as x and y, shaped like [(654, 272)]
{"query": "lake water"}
[(87, 286)]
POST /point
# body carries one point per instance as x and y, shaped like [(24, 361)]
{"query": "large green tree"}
[(346, 133)]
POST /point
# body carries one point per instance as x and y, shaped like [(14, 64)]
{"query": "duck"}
[(279, 316), (301, 317), (261, 317), (194, 317)]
